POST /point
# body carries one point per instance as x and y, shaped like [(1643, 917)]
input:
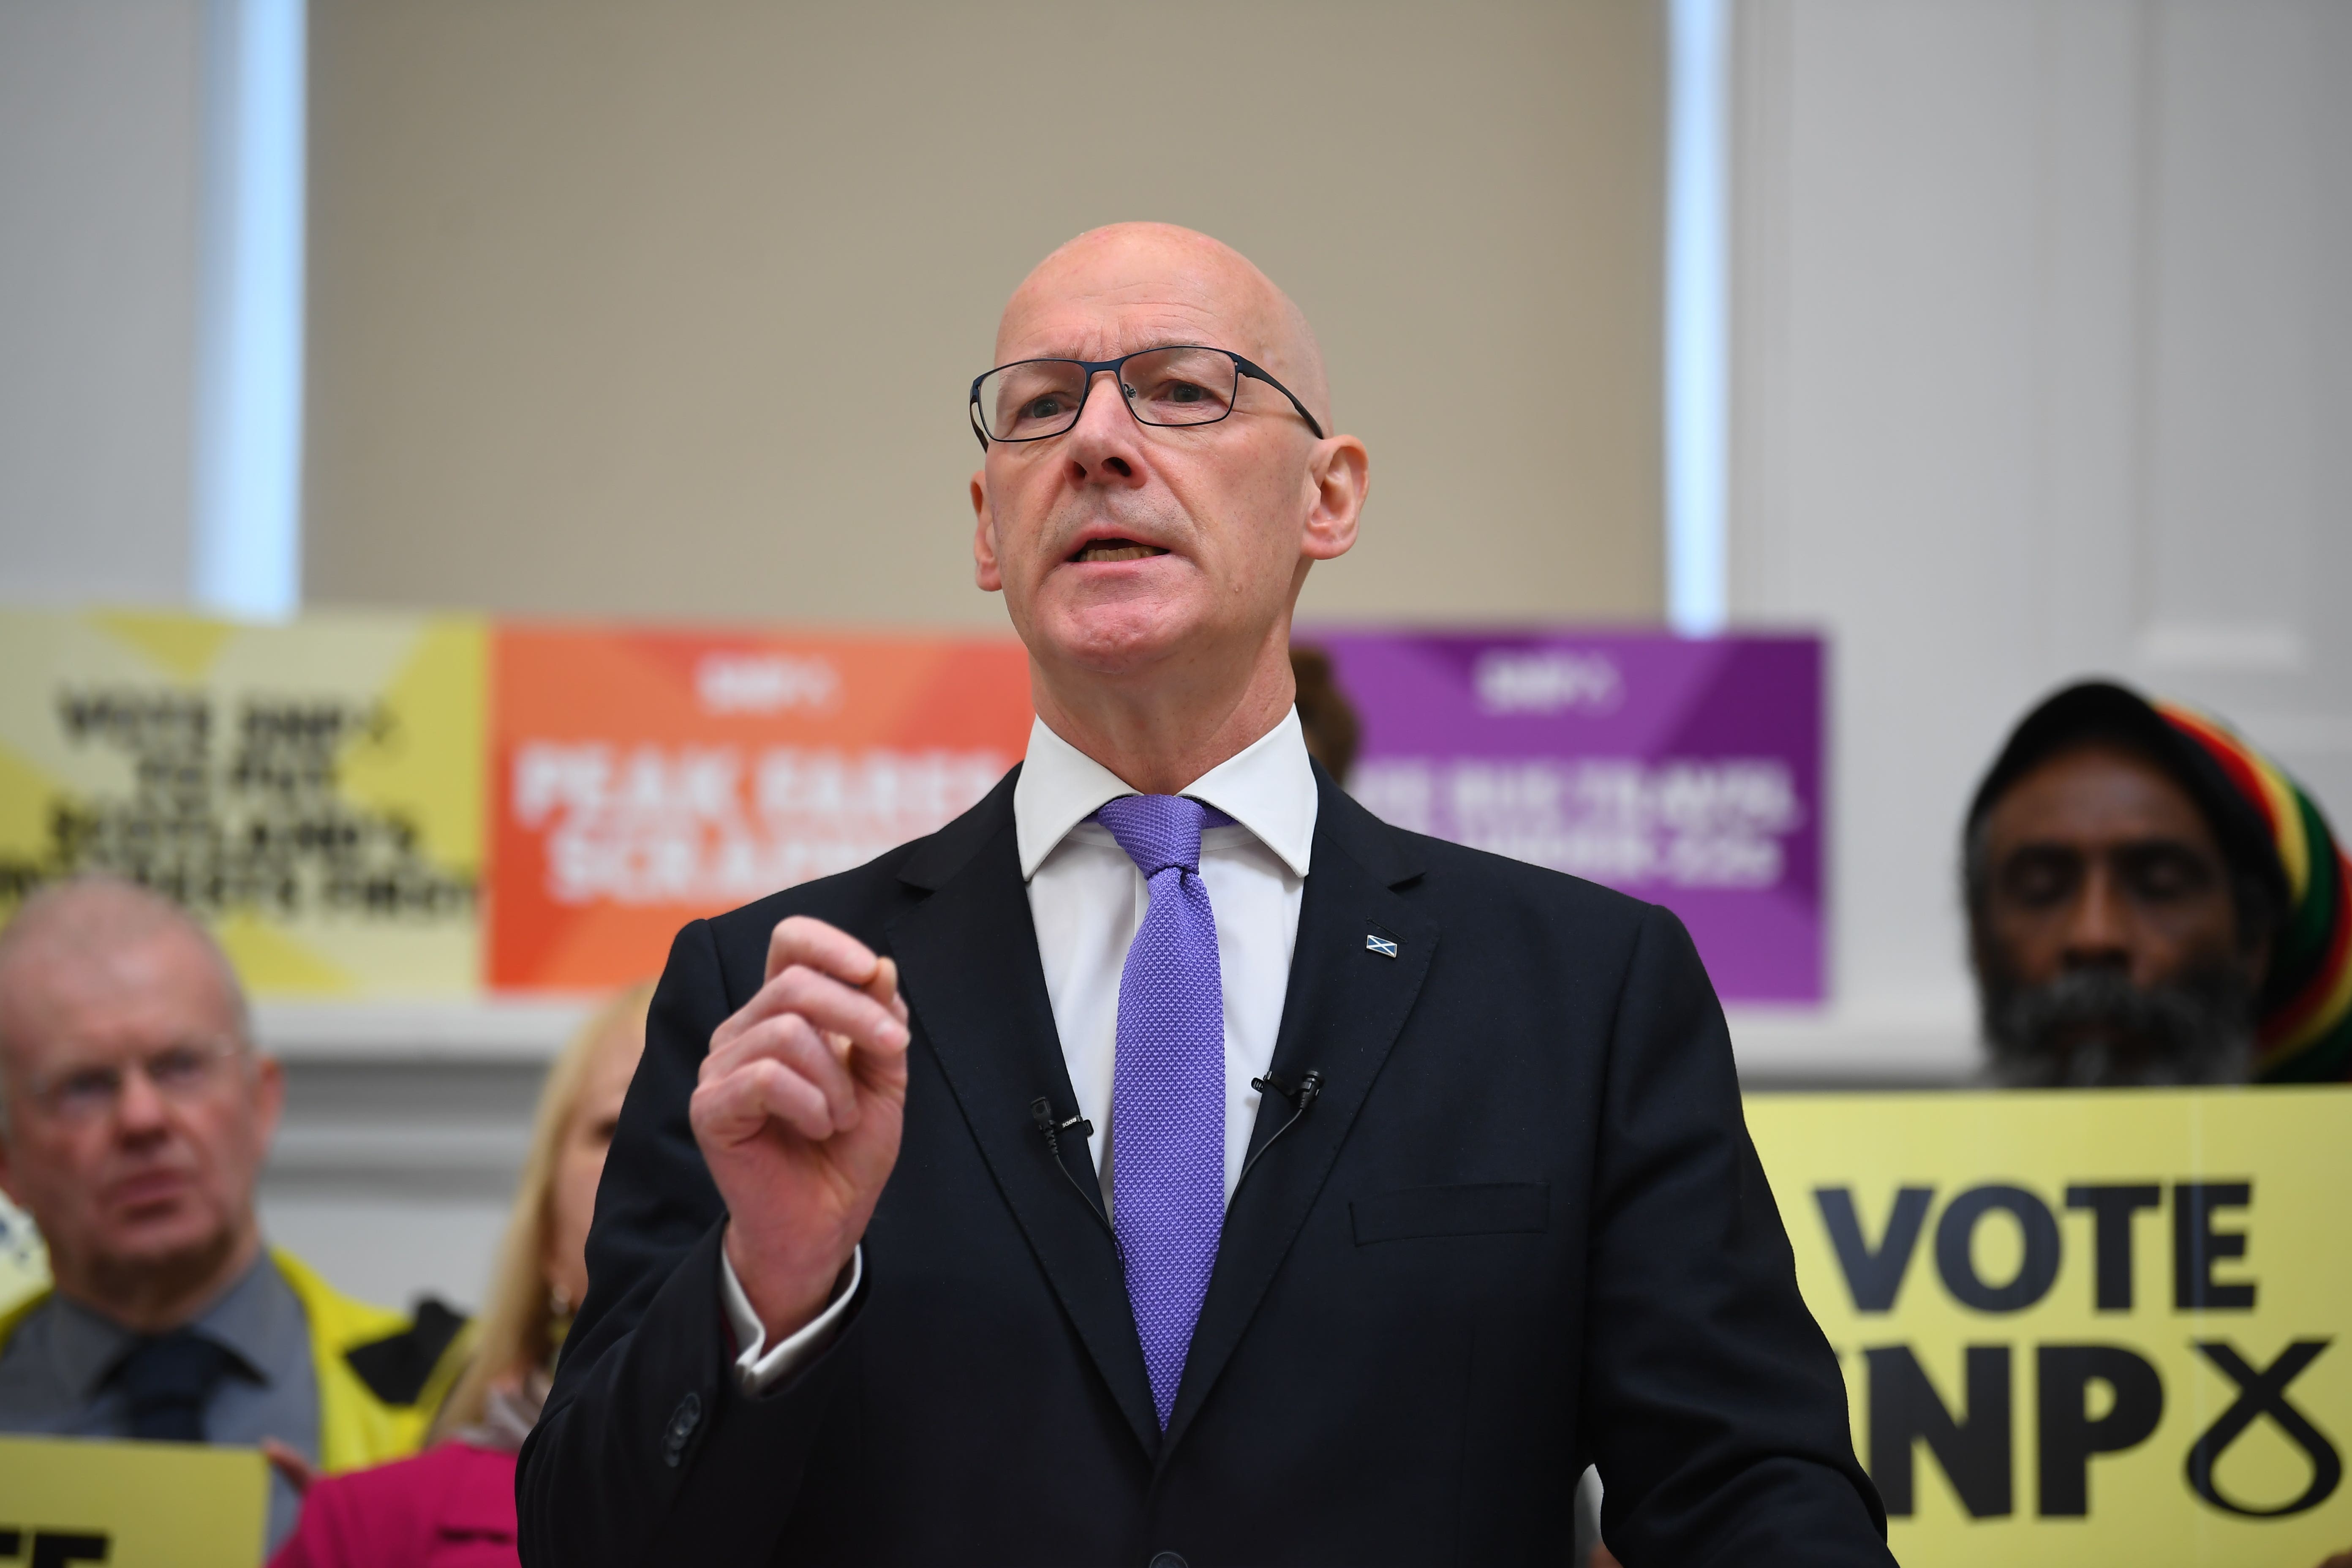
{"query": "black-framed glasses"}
[(1182, 383)]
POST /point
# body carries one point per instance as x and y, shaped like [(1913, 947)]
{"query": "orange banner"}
[(642, 779)]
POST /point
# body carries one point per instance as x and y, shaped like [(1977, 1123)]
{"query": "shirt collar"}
[(1267, 787), (86, 1345), (257, 1318)]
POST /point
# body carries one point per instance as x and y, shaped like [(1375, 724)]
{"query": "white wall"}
[(99, 155), (2040, 369), (393, 1175)]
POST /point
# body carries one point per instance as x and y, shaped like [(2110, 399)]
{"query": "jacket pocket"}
[(1484, 1209)]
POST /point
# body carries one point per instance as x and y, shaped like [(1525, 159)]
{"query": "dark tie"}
[(169, 1377), (1168, 1086)]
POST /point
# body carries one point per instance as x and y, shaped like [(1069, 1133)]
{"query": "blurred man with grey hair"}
[(134, 1117)]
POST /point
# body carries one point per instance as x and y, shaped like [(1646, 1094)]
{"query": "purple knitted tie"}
[(1168, 1090)]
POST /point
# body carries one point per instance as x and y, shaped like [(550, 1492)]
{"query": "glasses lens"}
[(1181, 386), (183, 1070), (85, 1094), (1037, 397)]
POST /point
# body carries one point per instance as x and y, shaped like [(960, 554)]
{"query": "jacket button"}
[(682, 1424), (1169, 1559)]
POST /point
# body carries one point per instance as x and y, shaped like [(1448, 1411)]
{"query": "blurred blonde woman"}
[(453, 1505)]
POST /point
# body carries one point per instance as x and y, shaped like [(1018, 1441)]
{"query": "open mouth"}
[(1116, 550)]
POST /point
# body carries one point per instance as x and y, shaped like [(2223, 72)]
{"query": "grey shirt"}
[(58, 1376)]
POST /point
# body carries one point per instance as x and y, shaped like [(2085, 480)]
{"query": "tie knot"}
[(168, 1379), (1158, 831)]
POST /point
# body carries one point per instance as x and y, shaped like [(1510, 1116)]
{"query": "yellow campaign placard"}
[(131, 1505), (312, 791), (2084, 1327)]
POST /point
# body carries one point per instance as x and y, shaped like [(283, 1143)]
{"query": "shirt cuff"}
[(759, 1368)]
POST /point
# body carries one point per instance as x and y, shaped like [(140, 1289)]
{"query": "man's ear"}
[(1339, 477), (269, 1096), (984, 569)]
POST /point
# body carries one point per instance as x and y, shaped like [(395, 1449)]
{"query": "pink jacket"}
[(449, 1507)]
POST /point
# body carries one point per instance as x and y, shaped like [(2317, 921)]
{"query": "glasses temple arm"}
[(1248, 369)]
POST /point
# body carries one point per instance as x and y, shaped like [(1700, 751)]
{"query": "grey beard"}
[(2093, 1028)]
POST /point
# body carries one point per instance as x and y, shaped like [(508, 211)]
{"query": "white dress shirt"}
[(1086, 899)]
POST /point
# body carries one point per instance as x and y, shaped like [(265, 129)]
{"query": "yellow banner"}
[(2084, 1327), (312, 791), (131, 1505)]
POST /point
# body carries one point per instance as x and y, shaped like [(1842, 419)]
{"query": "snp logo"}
[(1547, 680), (765, 683)]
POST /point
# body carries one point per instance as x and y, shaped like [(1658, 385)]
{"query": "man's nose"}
[(139, 1110), (1101, 447), (2098, 928)]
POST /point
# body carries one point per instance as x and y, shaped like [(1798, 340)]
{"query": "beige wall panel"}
[(669, 310)]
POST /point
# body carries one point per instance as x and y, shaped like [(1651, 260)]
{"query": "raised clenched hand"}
[(798, 1111)]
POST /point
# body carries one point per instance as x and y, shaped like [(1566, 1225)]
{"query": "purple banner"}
[(1682, 771)]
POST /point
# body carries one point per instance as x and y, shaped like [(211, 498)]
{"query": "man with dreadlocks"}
[(2152, 901)]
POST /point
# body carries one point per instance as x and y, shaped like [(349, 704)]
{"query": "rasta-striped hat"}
[(2266, 825), (2306, 1030)]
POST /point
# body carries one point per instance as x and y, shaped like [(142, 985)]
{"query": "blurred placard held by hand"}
[(2083, 1327), (131, 1505), (643, 778)]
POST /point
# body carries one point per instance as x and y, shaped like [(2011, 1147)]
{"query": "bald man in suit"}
[(1168, 1162)]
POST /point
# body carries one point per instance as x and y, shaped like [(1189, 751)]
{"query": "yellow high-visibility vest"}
[(382, 1375)]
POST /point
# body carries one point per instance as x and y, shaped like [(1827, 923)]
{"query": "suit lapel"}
[(968, 958), (1344, 1009)]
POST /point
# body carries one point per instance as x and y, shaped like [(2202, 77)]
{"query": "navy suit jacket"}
[(1521, 1229)]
